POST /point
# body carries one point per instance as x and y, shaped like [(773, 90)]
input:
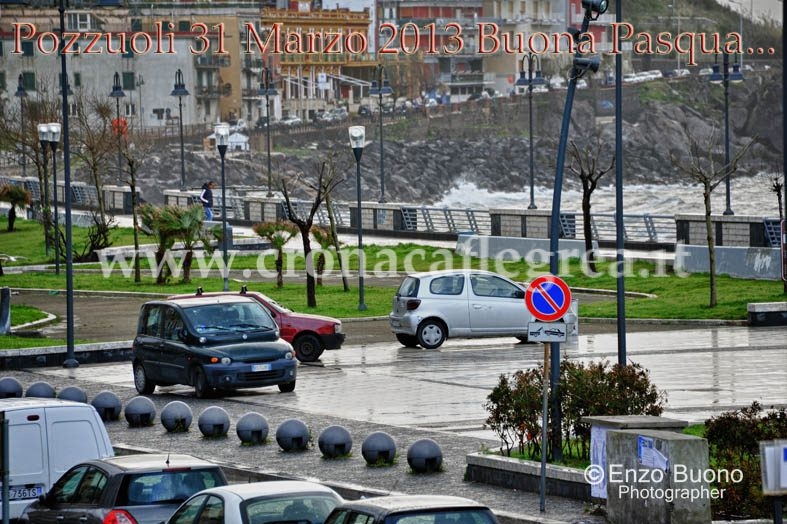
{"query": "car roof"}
[(273, 487), (154, 462), (443, 272), (7, 404), (403, 503), (203, 300)]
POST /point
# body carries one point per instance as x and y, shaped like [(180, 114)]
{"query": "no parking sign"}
[(548, 298)]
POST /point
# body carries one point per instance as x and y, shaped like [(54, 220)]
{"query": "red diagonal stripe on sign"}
[(547, 297)]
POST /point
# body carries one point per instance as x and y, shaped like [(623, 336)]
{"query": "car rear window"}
[(454, 516), (409, 287), (166, 487)]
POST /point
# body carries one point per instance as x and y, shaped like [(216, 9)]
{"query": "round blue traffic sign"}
[(548, 298)]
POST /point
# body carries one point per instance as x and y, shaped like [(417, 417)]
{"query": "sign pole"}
[(544, 422)]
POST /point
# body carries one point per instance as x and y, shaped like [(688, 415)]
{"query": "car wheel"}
[(201, 388), (307, 348), (144, 385), (431, 334), (408, 341), (287, 387)]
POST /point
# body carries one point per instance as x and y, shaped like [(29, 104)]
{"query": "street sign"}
[(548, 298), (547, 332), (784, 250)]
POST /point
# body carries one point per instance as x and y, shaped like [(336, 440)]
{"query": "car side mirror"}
[(518, 293)]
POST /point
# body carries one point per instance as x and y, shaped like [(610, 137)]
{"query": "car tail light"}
[(119, 516), (413, 304)]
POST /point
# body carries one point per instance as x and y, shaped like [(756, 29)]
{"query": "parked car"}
[(430, 307), (291, 121), (364, 110), (309, 335), (211, 343), (259, 503), (412, 509), (46, 437), (141, 489)]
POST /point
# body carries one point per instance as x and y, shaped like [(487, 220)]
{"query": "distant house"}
[(238, 142)]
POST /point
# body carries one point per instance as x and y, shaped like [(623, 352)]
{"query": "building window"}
[(131, 109), (159, 112), (27, 49), (77, 79), (1, 48), (79, 22), (136, 24), (2, 80), (129, 80), (207, 107), (29, 80), (184, 26)]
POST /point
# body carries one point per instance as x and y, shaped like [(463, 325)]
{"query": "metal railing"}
[(773, 232), (446, 220)]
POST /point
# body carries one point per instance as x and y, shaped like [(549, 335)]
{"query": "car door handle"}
[(478, 306), (60, 517), (83, 518)]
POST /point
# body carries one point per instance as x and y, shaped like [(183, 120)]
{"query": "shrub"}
[(593, 389), (733, 441)]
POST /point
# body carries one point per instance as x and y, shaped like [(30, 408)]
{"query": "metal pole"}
[(222, 152), (530, 58), (726, 81), (54, 199), (382, 156), (268, 138), (45, 197), (619, 231), (140, 83), (361, 303), (118, 131), (544, 424), (23, 134), (5, 473), (182, 154), (784, 121), (70, 361)]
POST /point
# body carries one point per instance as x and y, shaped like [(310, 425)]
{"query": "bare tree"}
[(703, 165), (584, 163), (318, 189)]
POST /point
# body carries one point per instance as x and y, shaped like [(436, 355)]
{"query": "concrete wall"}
[(744, 262), (728, 230), (515, 248)]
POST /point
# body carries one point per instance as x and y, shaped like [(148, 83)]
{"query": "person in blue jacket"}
[(206, 197)]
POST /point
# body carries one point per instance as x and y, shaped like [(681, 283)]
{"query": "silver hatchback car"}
[(430, 307)]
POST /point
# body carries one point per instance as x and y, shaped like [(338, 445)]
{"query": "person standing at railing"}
[(206, 197)]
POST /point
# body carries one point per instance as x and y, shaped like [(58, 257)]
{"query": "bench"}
[(767, 313)]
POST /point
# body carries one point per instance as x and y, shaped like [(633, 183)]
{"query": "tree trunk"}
[(711, 245), (160, 278), (588, 231), (311, 291), (335, 236), (11, 218), (279, 266), (187, 266), (134, 203)]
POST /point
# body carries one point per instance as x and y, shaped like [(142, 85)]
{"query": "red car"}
[(309, 335)]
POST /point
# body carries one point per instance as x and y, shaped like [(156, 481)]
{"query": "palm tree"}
[(324, 237), (278, 234), (155, 224), (186, 223), (18, 197)]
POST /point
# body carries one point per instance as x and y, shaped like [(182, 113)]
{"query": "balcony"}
[(207, 92), (252, 65), (211, 62)]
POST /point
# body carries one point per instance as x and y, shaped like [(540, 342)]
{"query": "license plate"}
[(395, 323), (19, 493), (260, 367)]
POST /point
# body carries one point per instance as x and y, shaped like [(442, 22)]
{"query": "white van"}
[(46, 437)]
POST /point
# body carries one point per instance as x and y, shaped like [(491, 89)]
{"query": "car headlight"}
[(337, 328), (226, 361), (288, 355)]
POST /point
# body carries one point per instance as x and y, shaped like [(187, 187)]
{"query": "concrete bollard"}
[(425, 456), (40, 390), (293, 435), (73, 393), (335, 441), (140, 412), (252, 428), (379, 448), (176, 417), (108, 406), (214, 422), (10, 388)]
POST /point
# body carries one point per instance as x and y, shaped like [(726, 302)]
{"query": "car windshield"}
[(165, 487), (312, 509), (241, 316), (454, 516)]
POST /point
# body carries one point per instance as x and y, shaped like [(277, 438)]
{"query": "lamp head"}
[(222, 132), (54, 133), (583, 64), (594, 8), (43, 133), (375, 88), (716, 77), (117, 88), (736, 76), (357, 136), (180, 85)]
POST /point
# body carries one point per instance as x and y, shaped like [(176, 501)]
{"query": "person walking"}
[(206, 197)]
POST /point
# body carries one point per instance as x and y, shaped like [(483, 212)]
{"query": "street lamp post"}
[(180, 91), (43, 140), (54, 138), (140, 83), (380, 88), (532, 60), (65, 90), (117, 93), (222, 132), (268, 90), (21, 92), (357, 137), (725, 77)]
